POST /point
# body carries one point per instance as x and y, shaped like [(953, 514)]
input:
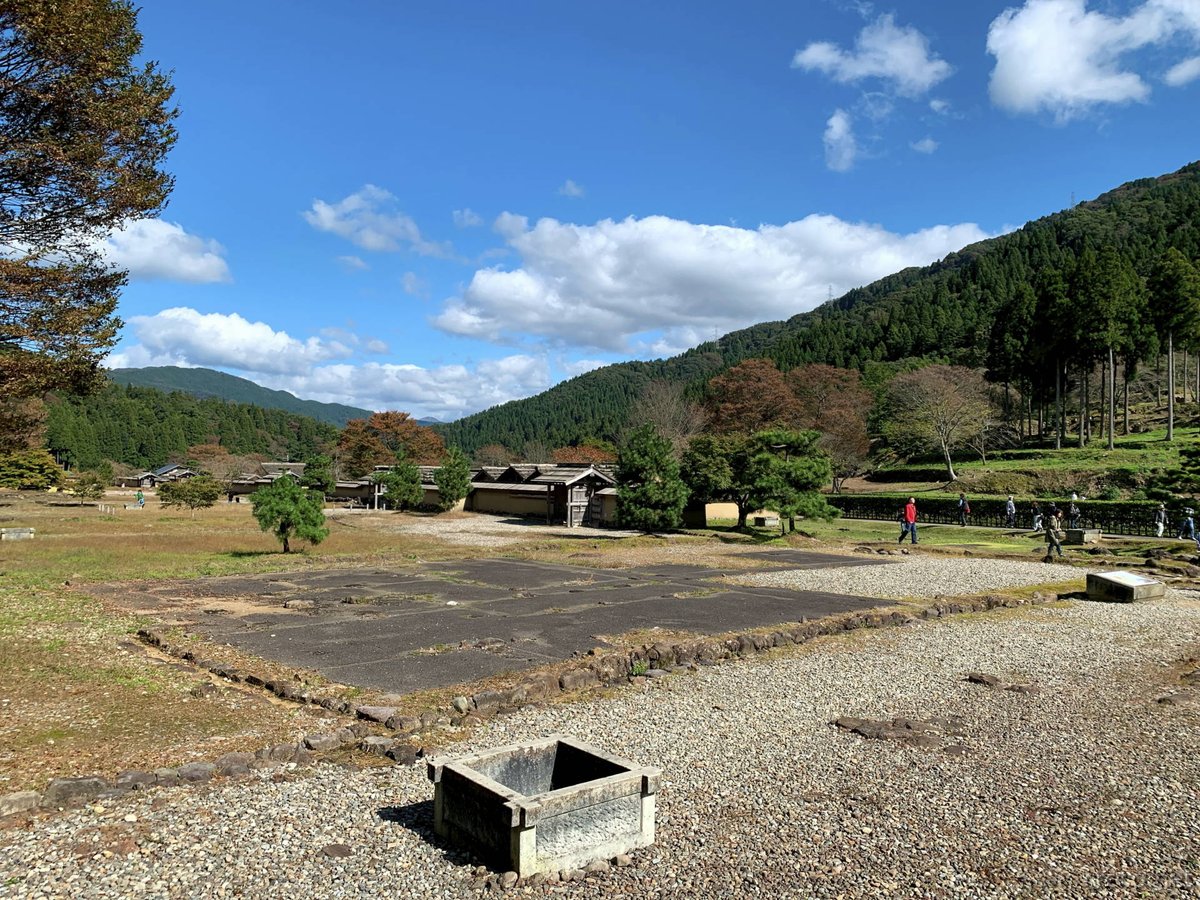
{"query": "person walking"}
[(1035, 512), (1052, 541), (1073, 515), (1187, 527), (964, 509), (909, 523), (1010, 513), (1160, 520)]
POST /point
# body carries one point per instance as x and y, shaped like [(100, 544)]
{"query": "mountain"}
[(210, 383), (1003, 304)]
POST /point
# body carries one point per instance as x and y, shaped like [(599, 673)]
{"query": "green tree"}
[(89, 486), (318, 473), (453, 478), (401, 485), (1174, 285), (199, 492), (29, 470), (83, 131), (776, 467), (791, 467), (650, 493), (290, 511)]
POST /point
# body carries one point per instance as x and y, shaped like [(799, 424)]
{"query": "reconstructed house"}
[(161, 475), (570, 493)]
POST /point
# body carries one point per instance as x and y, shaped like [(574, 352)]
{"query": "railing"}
[(1128, 517)]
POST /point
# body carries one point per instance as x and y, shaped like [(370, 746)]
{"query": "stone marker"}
[(16, 534), (544, 806), (1083, 536), (1123, 587)]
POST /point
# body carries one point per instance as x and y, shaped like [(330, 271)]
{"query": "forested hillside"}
[(1031, 306), (211, 383), (143, 427)]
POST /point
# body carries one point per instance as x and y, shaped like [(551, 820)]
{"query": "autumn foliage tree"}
[(665, 406), (400, 433), (835, 403), (383, 439), (936, 409), (84, 130), (587, 453), (751, 396)]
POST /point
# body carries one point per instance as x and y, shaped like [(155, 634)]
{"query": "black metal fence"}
[(1130, 517)]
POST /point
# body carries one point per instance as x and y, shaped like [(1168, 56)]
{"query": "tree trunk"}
[(1158, 382), (1185, 380), (1170, 386), (1082, 407), (949, 464), (1058, 405), (286, 548), (1125, 399), (743, 512), (1112, 387), (1103, 397)]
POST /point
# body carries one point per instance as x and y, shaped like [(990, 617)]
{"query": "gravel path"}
[(919, 576), (1087, 787)]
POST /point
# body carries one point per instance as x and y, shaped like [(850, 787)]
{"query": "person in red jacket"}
[(909, 521)]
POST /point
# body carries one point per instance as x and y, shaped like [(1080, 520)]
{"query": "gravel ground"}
[(1085, 787), (919, 576), (475, 530)]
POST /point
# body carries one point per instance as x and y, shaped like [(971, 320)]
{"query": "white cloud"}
[(575, 367), (152, 249), (323, 368), (841, 149), (661, 283), (924, 145), (414, 285), (444, 392), (897, 55), (571, 189), (1057, 56), (1183, 73), (941, 107), (352, 263), (368, 218), (467, 218), (184, 336)]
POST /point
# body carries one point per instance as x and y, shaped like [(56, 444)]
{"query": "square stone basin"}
[(544, 806)]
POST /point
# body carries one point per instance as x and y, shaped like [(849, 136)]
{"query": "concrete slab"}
[(417, 629)]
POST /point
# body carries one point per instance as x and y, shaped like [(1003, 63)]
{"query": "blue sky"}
[(437, 207)]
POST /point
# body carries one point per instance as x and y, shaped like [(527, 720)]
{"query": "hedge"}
[(1132, 517)]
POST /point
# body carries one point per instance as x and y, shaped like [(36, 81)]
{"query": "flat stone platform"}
[(445, 623)]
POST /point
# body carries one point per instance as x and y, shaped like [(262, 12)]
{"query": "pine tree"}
[(650, 493), (288, 510), (453, 478)]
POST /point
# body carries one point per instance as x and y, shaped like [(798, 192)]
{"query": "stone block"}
[(378, 714), (72, 791), (1123, 587), (21, 801), (322, 743), (197, 771), (1083, 536), (577, 679), (135, 779)]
